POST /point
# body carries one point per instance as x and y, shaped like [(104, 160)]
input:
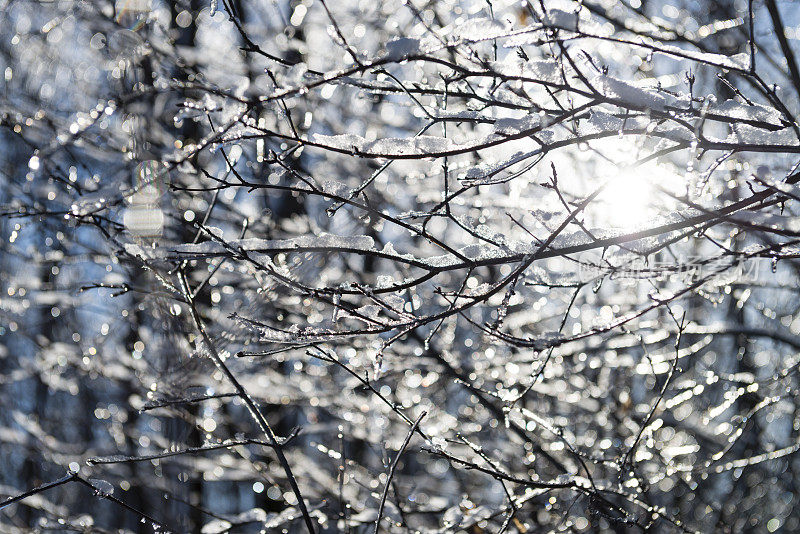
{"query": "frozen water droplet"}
[(102, 487)]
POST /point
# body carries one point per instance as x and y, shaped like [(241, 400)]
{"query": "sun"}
[(627, 200), (630, 199)]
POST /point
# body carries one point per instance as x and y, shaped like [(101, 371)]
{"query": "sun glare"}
[(627, 200), (631, 198)]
